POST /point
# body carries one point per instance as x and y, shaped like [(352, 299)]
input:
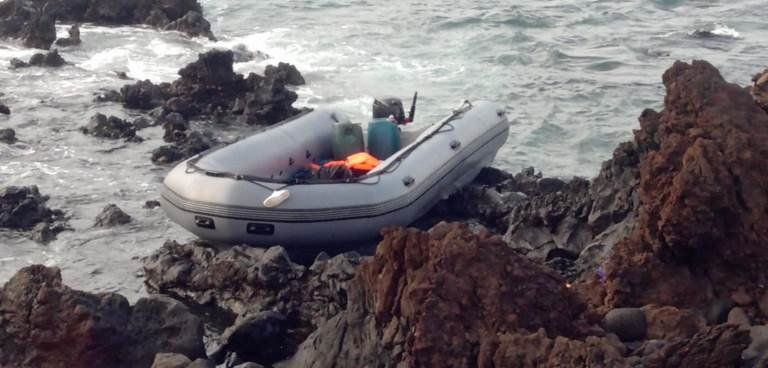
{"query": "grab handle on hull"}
[(276, 198)]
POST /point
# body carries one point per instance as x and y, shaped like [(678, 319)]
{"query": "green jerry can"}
[(383, 138), (347, 140)]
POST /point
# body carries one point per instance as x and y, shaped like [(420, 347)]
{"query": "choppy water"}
[(574, 76)]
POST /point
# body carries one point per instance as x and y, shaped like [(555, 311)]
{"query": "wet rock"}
[(702, 226), (255, 338), (122, 75), (175, 128), (268, 102), (192, 24), (287, 73), (669, 323), (186, 145), (21, 208), (39, 29), (629, 324), (718, 346), (109, 127), (242, 54), (111, 216), (151, 204), (18, 63), (45, 232), (142, 122), (73, 39), (109, 96), (8, 136), (142, 95), (440, 298), (50, 59), (166, 154), (247, 281), (210, 87), (44, 323), (4, 109), (759, 89), (180, 105), (157, 19)]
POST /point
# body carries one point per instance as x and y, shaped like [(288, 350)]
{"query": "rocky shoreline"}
[(658, 261), (33, 21)]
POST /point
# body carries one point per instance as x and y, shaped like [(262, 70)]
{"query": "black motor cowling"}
[(384, 107)]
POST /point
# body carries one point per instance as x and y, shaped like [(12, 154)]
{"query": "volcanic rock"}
[(166, 154), (210, 87), (246, 281), (39, 30), (50, 59), (109, 127), (73, 39), (718, 346), (111, 216), (440, 298), (45, 232), (669, 323), (287, 73), (537, 350), (702, 227), (756, 354), (628, 324), (8, 136), (151, 204), (109, 96), (186, 145), (760, 89), (142, 95), (739, 317), (21, 208), (256, 338), (192, 24), (33, 20), (172, 360), (43, 323)]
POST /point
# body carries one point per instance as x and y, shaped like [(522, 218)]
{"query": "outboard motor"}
[(390, 106)]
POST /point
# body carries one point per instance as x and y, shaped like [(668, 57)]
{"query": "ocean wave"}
[(716, 30)]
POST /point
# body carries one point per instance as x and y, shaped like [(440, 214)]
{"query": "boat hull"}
[(323, 214)]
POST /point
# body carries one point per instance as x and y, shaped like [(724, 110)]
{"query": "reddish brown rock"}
[(439, 298), (43, 323), (763, 304), (703, 228), (668, 323), (714, 347), (760, 89), (538, 351)]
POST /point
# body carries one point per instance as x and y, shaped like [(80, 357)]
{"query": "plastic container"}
[(347, 140), (383, 138)]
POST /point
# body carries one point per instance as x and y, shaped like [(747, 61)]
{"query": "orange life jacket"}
[(359, 163)]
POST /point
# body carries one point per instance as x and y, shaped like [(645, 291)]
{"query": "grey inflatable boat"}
[(246, 192)]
